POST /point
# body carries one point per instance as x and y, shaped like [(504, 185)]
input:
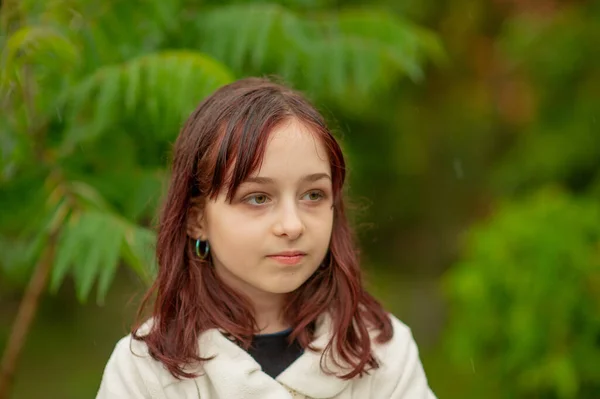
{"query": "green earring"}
[(202, 254)]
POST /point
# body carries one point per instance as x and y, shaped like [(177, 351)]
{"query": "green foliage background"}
[(471, 129)]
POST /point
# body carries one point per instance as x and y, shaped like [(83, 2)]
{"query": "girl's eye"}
[(258, 199), (314, 195)]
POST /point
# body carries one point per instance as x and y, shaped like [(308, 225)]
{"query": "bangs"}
[(241, 150), (241, 147)]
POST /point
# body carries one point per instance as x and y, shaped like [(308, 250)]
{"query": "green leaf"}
[(88, 195), (324, 52), (30, 43), (112, 251), (103, 243), (132, 90), (143, 88), (108, 99), (67, 247), (91, 242), (90, 246), (140, 252)]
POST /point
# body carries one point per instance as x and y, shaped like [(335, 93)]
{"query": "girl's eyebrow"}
[(307, 178)]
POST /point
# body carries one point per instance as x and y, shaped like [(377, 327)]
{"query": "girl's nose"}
[(289, 222)]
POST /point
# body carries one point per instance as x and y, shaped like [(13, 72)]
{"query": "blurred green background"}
[(472, 135)]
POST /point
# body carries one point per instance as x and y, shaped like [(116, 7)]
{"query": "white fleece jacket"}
[(234, 374)]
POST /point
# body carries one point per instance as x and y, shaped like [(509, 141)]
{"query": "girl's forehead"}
[(294, 148)]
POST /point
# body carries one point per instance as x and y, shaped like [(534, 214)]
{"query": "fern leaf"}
[(139, 251), (145, 87), (255, 34), (91, 242), (102, 237), (352, 51), (90, 246), (30, 43), (110, 259), (133, 76), (405, 43), (68, 245)]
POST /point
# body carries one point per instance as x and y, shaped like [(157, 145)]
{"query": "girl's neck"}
[(269, 326), (268, 314), (268, 306)]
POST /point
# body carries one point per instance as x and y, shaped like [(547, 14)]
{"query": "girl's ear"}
[(195, 222)]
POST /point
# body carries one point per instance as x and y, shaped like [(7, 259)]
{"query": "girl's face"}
[(275, 233)]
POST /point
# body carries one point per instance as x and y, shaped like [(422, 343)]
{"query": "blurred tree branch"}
[(25, 317)]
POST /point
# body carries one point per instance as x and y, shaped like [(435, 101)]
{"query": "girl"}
[(259, 293)]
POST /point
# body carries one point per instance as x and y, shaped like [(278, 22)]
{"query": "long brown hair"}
[(220, 145)]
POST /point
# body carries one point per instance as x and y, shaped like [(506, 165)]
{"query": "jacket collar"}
[(234, 373)]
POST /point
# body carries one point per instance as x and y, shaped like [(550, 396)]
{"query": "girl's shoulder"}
[(400, 368), (131, 371), (402, 339)]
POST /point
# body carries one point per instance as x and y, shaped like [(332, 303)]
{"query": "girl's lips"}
[(288, 259)]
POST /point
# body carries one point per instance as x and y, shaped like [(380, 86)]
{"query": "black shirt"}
[(273, 352)]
